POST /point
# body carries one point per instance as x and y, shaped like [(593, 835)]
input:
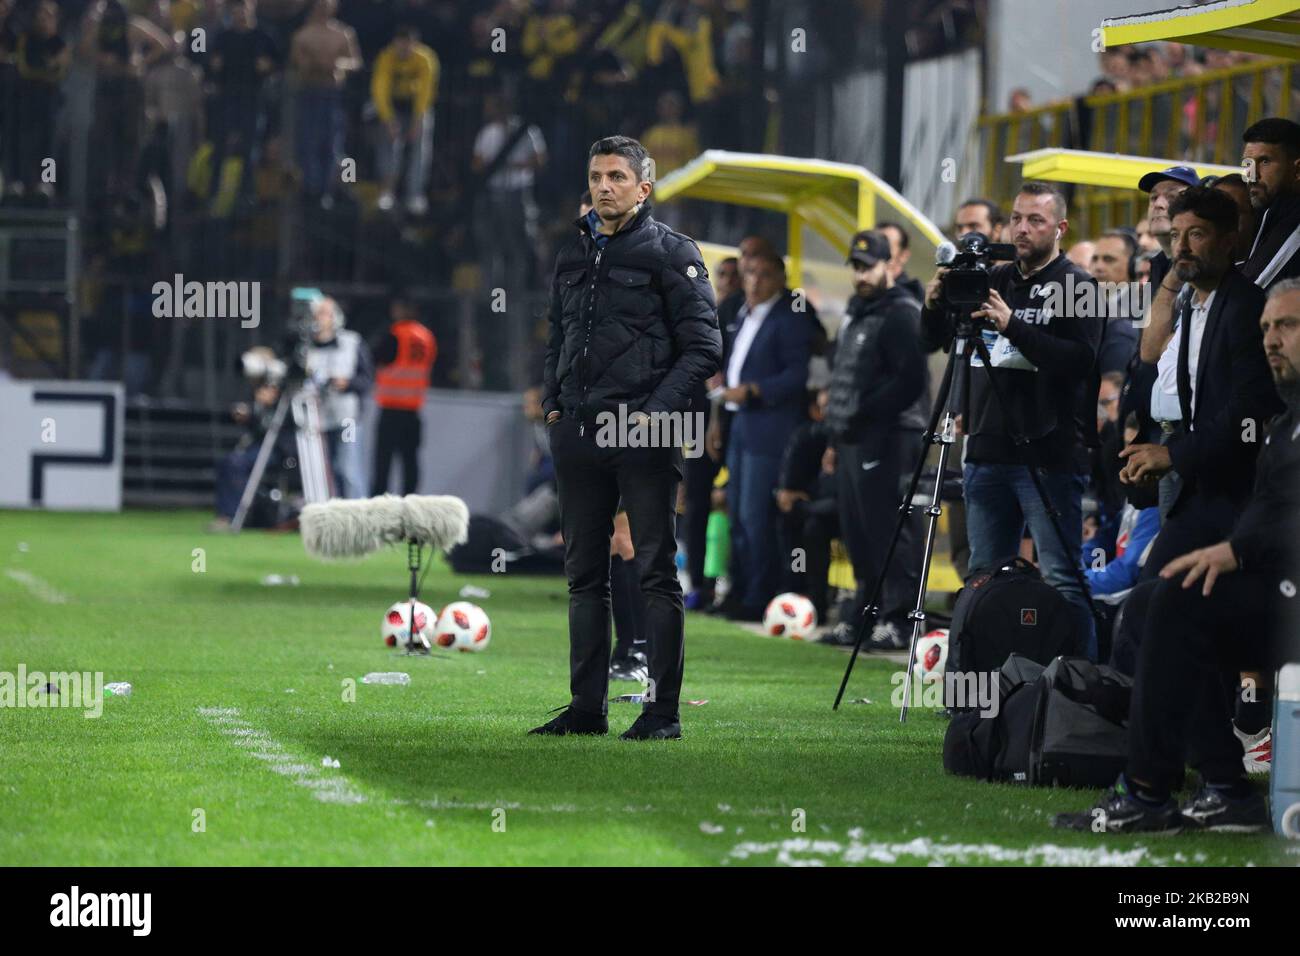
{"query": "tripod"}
[(313, 463), (964, 336)]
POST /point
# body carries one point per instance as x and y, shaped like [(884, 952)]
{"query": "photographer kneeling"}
[(1045, 368)]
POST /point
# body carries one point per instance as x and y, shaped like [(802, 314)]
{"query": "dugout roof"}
[(824, 203), (1268, 27), (1110, 170)]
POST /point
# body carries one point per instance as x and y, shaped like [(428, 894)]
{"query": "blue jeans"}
[(751, 481), (1001, 500), (319, 138)]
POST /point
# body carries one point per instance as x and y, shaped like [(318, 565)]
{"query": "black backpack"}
[(1008, 610), (1063, 725)]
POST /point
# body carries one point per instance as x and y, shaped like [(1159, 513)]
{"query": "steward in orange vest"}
[(405, 357)]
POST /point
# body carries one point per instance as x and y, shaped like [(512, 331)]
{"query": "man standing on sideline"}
[(878, 373), (1044, 366), (767, 374), (339, 363), (634, 330), (404, 355)]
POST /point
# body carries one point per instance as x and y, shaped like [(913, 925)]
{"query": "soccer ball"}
[(790, 615), (932, 655), (397, 624), (463, 626)]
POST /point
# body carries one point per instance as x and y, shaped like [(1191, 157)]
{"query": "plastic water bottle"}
[(117, 689), (1284, 775), (717, 547), (387, 677), (628, 699)]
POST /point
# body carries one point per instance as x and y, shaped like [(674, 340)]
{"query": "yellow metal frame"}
[(835, 200), (1267, 27), (1110, 170)]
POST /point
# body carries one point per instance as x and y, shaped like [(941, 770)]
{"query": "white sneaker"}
[(417, 205), (386, 201), (1258, 757), (885, 637)]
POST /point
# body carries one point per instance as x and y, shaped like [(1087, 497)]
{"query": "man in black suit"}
[(1216, 610), (1271, 156), (1224, 390)]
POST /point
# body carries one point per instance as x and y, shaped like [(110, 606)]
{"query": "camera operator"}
[(234, 468), (339, 363), (1045, 367), (878, 374)]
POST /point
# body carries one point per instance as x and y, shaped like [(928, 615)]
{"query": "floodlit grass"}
[(239, 695)]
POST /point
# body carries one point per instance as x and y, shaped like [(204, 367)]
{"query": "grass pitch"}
[(239, 696)]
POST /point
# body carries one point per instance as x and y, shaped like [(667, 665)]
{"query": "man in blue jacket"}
[(766, 378)]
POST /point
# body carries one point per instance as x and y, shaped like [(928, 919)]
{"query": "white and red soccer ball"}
[(396, 629), (463, 626), (790, 615), (932, 654)]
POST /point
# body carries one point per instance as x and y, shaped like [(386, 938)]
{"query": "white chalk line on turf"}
[(327, 788), (804, 851), (42, 590)]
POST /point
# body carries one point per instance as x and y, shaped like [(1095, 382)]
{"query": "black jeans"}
[(1192, 650), (590, 480), (398, 433)]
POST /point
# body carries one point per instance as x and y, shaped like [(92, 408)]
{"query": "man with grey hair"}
[(634, 331)]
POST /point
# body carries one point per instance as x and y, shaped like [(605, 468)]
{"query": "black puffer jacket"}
[(879, 369), (632, 324)]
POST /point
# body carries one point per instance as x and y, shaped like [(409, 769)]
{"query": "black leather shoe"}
[(653, 727), (573, 722), (1211, 809)]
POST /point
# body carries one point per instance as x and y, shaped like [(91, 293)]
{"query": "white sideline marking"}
[(327, 789), (40, 589), (802, 851)]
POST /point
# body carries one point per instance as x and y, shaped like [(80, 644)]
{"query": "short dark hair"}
[(903, 241), (629, 149), (1036, 187), (1129, 240), (1213, 205), (1276, 131), (992, 208), (772, 259)]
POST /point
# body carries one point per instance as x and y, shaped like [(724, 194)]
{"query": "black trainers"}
[(1213, 810), (630, 666), (653, 727), (1121, 812), (573, 722)]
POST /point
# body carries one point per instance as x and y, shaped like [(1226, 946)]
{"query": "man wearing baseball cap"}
[(878, 374)]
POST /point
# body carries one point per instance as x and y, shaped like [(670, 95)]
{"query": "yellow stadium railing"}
[(1195, 119)]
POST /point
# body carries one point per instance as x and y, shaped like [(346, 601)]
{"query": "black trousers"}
[(809, 525), (700, 472), (868, 479), (590, 480), (398, 434), (1192, 651)]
